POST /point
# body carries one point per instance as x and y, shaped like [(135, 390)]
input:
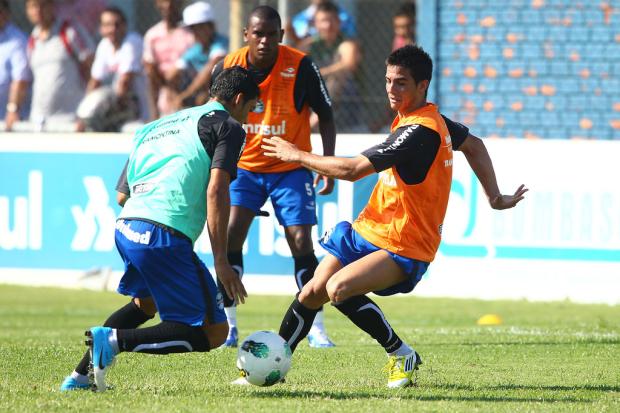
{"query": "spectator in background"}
[(338, 57), (303, 25), (404, 26), (60, 54), (164, 44), (15, 76), (84, 12), (117, 86), (193, 70)]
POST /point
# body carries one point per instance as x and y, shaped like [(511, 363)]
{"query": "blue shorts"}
[(164, 266), (344, 243), (292, 194)]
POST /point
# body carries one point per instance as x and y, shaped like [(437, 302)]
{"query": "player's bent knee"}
[(216, 333), (312, 295), (337, 291), (147, 305), (301, 244)]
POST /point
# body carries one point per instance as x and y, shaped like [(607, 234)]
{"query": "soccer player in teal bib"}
[(178, 177)]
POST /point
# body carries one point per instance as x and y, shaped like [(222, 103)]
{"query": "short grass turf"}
[(544, 357)]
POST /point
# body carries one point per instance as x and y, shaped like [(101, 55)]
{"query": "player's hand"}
[(328, 184), (508, 201), (276, 147), (232, 283), (9, 120)]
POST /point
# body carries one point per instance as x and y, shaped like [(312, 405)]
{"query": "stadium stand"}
[(531, 69)]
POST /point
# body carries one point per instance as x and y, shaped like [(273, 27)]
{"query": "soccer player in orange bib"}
[(392, 242), (290, 85)]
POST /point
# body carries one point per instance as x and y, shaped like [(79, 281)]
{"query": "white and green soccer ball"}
[(264, 358)]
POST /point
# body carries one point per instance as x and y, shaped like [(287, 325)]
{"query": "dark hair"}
[(232, 81), (4, 5), (406, 10), (413, 58), (328, 7), (117, 11), (265, 13)]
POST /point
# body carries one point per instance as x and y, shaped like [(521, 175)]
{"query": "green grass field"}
[(545, 357)]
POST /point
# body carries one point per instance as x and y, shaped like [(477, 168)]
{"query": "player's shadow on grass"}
[(409, 394), (525, 343), (587, 387)]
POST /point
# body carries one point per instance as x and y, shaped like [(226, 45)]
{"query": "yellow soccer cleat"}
[(400, 369)]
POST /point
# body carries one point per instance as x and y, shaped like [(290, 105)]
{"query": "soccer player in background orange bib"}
[(391, 244), (290, 85)]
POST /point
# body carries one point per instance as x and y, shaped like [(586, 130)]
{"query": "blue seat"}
[(508, 85), (531, 16), (451, 101), (448, 50), (593, 16), (599, 68), (535, 102), (559, 68), (550, 119), (612, 50), (557, 33), (490, 85), (559, 101), (532, 50), (490, 51), (601, 34), (590, 84), (448, 15), (536, 33), (510, 118), (508, 16), (611, 85), (540, 66), (529, 118), (514, 132), (579, 34), (447, 85), (578, 102), (487, 119), (570, 119)]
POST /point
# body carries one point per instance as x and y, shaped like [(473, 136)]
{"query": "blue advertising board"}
[(57, 211)]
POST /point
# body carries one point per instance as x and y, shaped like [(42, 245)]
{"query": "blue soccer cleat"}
[(70, 383), (232, 340), (317, 338), (102, 354)]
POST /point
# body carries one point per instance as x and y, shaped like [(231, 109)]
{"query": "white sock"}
[(113, 340), (231, 316), (80, 378), (319, 320), (403, 350)]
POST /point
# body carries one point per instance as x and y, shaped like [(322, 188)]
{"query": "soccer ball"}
[(264, 358)]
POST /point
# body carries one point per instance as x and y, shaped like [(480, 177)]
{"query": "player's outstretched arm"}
[(218, 211), (121, 198), (349, 169), (480, 162), (327, 129)]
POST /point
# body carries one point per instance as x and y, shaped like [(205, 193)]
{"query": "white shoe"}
[(317, 338), (241, 381)]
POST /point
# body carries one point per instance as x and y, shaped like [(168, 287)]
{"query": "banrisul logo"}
[(95, 221), (21, 220)]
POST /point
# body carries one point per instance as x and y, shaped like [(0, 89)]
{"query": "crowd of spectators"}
[(59, 78)]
